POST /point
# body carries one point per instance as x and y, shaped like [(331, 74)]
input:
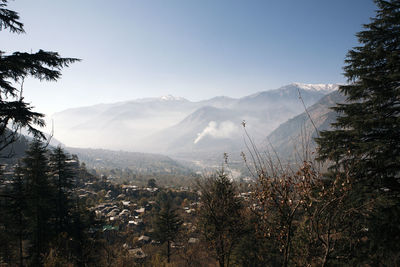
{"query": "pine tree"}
[(40, 200), (13, 219), (364, 145), (367, 131), (220, 216), (19, 207), (8, 227), (15, 113), (167, 226), (63, 175)]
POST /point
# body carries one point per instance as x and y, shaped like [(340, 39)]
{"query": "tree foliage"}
[(364, 144), (220, 216), (366, 134), (41, 218), (167, 226), (15, 112), (40, 199), (62, 175), (9, 19)]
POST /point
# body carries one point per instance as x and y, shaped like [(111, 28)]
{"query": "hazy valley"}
[(234, 167), (195, 131)]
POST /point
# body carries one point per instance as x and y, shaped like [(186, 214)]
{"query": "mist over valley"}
[(177, 127)]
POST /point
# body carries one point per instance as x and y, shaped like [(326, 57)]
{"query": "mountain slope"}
[(210, 131), (174, 125), (140, 163), (291, 138)]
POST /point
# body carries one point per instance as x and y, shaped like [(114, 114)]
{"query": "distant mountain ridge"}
[(298, 133), (176, 126), (320, 87)]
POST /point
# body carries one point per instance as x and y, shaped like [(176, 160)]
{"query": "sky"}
[(195, 49)]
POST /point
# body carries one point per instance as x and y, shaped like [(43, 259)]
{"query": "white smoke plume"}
[(225, 129)]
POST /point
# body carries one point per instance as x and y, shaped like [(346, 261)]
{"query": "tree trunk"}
[(20, 238), (168, 251), (21, 259), (287, 246), (327, 247), (221, 257)]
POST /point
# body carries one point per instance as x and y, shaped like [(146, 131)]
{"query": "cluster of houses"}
[(123, 213), (123, 217)]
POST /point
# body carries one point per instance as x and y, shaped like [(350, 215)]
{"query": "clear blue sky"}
[(191, 48)]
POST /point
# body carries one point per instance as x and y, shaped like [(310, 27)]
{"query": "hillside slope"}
[(293, 137), (178, 127)]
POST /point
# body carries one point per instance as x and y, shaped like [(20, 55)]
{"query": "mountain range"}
[(178, 127), (295, 137)]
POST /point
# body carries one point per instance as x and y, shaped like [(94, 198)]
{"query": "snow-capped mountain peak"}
[(164, 98), (319, 87), (171, 98)]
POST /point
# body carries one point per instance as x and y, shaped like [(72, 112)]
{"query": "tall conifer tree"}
[(367, 132), (19, 206), (220, 216), (62, 175), (167, 226), (365, 142), (40, 200)]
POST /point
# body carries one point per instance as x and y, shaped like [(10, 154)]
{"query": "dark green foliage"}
[(80, 244), (62, 175), (41, 219), (15, 113), (253, 249), (18, 206), (12, 219), (152, 183), (220, 216), (368, 126), (384, 233), (15, 151), (167, 226), (9, 19), (40, 199), (364, 144)]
